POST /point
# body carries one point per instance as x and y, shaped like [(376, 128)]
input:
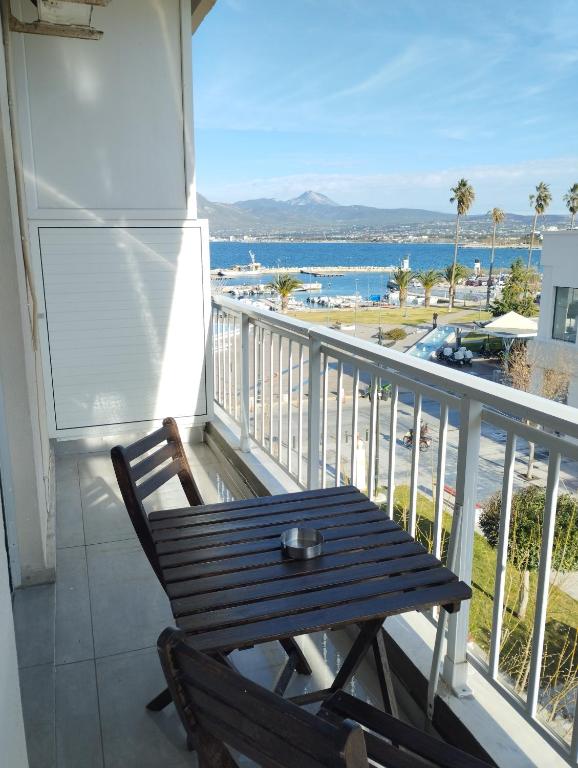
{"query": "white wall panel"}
[(103, 123), (125, 322)]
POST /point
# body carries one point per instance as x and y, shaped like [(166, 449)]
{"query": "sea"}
[(422, 256)]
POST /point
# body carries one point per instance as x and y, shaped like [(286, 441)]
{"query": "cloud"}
[(396, 69), (505, 185)]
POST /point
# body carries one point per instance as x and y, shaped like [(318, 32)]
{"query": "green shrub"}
[(526, 531), (395, 334)]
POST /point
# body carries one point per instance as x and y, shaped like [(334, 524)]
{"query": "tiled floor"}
[(88, 663)]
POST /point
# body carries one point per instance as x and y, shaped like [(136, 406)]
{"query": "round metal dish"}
[(302, 543)]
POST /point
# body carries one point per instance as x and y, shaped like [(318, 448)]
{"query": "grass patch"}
[(389, 315), (560, 665)]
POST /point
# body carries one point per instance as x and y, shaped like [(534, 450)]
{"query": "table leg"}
[(384, 675), (292, 649), (362, 644)]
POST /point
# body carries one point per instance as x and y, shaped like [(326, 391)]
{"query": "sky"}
[(387, 103)]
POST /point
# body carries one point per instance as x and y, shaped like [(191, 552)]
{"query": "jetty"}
[(259, 289), (320, 271)]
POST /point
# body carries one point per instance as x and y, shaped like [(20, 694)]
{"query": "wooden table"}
[(230, 585)]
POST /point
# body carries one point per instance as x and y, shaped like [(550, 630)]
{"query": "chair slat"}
[(263, 726), (133, 494), (420, 743), (160, 478), (145, 444), (153, 461)]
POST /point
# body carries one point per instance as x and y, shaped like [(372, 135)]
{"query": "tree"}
[(453, 274), (463, 196), (498, 217), (429, 279), (283, 286), (571, 200), (403, 278), (526, 530), (519, 292), (522, 368), (539, 202)]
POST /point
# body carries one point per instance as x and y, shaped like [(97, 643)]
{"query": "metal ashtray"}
[(302, 543)]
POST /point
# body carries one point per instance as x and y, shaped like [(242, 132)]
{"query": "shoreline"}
[(405, 243)]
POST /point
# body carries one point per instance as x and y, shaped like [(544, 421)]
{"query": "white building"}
[(555, 344)]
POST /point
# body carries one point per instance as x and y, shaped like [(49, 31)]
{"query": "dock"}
[(260, 289), (319, 271)]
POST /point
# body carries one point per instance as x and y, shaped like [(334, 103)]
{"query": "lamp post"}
[(355, 315)]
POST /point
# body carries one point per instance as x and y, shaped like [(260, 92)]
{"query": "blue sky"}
[(387, 103)]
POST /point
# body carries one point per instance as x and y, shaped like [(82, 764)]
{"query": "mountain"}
[(311, 198), (311, 213)]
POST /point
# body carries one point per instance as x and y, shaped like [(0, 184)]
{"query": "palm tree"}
[(429, 279), (463, 196), (571, 200), (539, 202), (498, 217), (453, 273), (403, 278), (284, 285)]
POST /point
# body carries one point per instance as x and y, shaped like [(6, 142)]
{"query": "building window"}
[(565, 311)]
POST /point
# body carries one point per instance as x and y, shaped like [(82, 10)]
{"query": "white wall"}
[(559, 260), (106, 134), (12, 738), (24, 447), (102, 121)]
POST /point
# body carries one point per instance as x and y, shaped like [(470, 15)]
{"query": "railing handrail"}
[(525, 405)]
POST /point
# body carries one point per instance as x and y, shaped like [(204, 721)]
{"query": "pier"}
[(336, 271)]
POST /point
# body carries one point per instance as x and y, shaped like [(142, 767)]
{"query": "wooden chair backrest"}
[(140, 472), (218, 706)]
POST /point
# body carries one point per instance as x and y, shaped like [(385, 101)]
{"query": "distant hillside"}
[(310, 212), (314, 213)]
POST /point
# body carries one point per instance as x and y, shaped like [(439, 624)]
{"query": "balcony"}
[(287, 412), (294, 394)]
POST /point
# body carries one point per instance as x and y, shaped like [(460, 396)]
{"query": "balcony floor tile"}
[(38, 706), (34, 625), (69, 523), (78, 740), (73, 626), (129, 606), (104, 514), (131, 735)]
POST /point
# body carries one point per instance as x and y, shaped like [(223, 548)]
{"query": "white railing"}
[(296, 392)]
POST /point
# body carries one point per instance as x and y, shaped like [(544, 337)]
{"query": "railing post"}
[(244, 443), (313, 412), (455, 671)]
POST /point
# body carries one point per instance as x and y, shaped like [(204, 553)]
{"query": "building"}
[(107, 325), (555, 346)]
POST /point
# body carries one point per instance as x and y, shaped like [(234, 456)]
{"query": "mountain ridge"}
[(316, 214)]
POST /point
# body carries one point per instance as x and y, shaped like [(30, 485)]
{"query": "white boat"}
[(243, 270)]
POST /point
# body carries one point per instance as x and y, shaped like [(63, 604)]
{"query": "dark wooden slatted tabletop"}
[(230, 585)]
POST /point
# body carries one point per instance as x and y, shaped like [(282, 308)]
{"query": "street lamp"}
[(355, 317)]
